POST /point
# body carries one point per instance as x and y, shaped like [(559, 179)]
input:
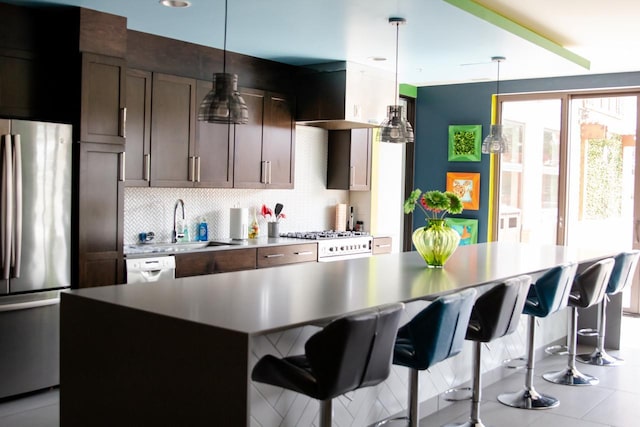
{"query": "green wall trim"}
[(408, 90), (513, 27)]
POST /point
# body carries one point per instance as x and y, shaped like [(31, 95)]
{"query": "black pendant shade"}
[(223, 104)]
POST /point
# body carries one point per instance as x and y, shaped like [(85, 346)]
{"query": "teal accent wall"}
[(437, 107)]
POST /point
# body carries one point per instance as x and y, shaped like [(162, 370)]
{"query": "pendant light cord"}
[(396, 86), (498, 80), (224, 52)]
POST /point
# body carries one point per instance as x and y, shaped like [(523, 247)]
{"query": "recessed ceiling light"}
[(175, 3), (377, 58)]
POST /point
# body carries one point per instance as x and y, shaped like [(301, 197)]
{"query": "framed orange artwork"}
[(465, 185)]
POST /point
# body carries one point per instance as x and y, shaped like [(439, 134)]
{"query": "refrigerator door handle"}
[(17, 228), (29, 304), (7, 208)]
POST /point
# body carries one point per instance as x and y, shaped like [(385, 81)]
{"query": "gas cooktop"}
[(320, 235)]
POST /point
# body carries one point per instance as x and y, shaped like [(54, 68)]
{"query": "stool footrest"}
[(588, 332), (457, 394), (515, 363), (557, 350)]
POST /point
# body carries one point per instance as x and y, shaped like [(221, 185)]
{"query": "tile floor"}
[(615, 402)]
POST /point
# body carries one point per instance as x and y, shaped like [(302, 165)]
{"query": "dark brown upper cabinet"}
[(173, 110), (264, 147), (349, 160), (214, 148), (102, 108), (138, 145)]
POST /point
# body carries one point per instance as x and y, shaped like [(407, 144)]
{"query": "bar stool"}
[(496, 313), (587, 290), (434, 334), (549, 294), (621, 277), (351, 352)]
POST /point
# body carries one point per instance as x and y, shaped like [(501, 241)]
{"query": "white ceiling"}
[(440, 43)]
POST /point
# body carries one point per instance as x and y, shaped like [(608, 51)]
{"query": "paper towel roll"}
[(239, 223), (341, 217)]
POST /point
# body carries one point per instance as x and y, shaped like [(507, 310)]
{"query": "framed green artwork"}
[(467, 228), (465, 143)]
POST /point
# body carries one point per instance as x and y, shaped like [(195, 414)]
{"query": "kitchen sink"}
[(179, 246)]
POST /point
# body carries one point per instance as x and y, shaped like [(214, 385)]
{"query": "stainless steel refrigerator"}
[(35, 246)]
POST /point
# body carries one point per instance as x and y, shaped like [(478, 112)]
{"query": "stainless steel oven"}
[(337, 245)]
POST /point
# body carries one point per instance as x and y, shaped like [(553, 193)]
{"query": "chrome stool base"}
[(457, 394), (570, 377), (599, 358), (528, 399), (467, 424)]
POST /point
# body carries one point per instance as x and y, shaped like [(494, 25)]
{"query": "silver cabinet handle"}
[(274, 256), (123, 160), (192, 168), (263, 172), (197, 168), (123, 123), (269, 164), (383, 246), (352, 175), (147, 167), (303, 253)]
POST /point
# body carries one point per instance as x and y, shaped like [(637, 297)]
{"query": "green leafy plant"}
[(435, 204), (464, 142)]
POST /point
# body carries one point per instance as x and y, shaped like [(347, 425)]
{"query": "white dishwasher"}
[(143, 270)]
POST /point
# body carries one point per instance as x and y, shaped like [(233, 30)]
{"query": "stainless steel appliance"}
[(144, 270), (337, 245), (35, 246)]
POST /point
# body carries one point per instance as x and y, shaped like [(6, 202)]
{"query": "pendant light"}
[(395, 128), (495, 141), (223, 104)]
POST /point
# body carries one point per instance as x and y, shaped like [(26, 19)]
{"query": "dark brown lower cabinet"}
[(270, 256), (100, 214), (199, 263)]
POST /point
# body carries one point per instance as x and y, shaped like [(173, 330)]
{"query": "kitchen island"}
[(179, 352)]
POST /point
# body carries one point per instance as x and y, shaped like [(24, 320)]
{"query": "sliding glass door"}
[(568, 176)]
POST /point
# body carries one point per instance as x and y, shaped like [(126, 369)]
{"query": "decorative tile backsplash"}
[(310, 206)]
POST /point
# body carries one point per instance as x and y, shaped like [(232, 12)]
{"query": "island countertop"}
[(265, 300)]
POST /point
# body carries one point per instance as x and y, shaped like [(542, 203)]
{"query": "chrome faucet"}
[(177, 234)]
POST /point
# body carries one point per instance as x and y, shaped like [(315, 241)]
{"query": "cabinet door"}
[(138, 128), (103, 99), (249, 169), (349, 160), (360, 173), (270, 256), (18, 97), (279, 142), (100, 215), (209, 262), (173, 109), (214, 149)]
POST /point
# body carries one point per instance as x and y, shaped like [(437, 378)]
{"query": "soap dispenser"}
[(203, 231)]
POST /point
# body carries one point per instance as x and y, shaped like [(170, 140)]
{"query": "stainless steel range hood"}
[(343, 95)]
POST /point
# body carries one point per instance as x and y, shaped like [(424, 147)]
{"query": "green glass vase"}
[(435, 242)]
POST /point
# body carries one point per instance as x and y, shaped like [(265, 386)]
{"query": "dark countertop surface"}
[(265, 300)]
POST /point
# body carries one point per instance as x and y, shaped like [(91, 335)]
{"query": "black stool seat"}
[(495, 314), (588, 289), (431, 336), (624, 269), (351, 352), (549, 294)]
